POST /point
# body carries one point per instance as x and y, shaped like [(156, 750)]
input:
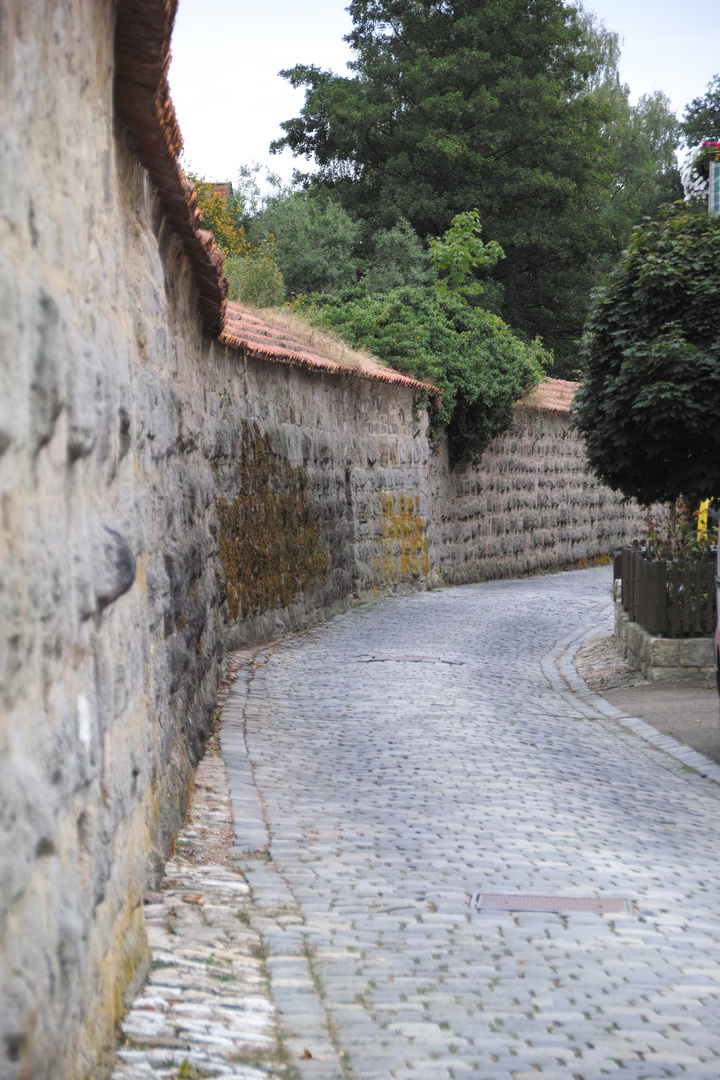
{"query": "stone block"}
[(664, 652), (696, 652)]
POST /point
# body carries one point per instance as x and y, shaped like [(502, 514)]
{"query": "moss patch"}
[(270, 548)]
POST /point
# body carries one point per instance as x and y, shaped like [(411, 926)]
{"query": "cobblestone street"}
[(387, 770), (422, 750)]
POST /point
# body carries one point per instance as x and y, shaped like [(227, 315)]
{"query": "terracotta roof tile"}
[(142, 57), (553, 395), (244, 330)]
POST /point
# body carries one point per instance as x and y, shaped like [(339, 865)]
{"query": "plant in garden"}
[(708, 151), (672, 535), (650, 399), (481, 368)]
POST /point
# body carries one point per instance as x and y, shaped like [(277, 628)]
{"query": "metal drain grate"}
[(402, 659), (556, 904)]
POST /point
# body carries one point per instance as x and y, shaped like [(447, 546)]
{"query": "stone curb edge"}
[(249, 827), (560, 671)]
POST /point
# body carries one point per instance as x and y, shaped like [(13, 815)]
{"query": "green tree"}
[(512, 106), (650, 397), (481, 368), (398, 258), (461, 251), (315, 237), (701, 119)]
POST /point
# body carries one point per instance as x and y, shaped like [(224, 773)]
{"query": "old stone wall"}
[(530, 505), (165, 498)]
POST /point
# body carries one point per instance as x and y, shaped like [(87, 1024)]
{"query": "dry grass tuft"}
[(318, 341)]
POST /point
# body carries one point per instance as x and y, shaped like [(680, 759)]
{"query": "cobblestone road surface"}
[(418, 751)]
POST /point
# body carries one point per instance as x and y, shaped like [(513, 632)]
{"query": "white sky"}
[(227, 53)]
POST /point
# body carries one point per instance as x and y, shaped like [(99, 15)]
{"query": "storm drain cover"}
[(402, 659), (559, 905)]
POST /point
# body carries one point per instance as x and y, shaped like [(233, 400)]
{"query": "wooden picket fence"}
[(665, 598)]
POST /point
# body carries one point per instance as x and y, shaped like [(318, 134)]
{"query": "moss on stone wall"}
[(270, 541)]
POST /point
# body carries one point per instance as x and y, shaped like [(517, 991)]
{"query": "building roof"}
[(142, 57)]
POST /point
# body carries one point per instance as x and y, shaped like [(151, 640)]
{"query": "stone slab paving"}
[(206, 1009), (421, 750)]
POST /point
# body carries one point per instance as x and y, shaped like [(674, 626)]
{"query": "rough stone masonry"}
[(165, 497)]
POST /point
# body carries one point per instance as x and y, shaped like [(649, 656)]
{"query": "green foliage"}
[(647, 177), (398, 258), (650, 399), (514, 107), (315, 239), (478, 364), (219, 216), (252, 271), (460, 251), (255, 278), (701, 119)]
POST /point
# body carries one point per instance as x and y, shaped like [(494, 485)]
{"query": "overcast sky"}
[(227, 53)]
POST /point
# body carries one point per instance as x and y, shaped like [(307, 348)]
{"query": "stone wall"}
[(530, 505), (165, 498)]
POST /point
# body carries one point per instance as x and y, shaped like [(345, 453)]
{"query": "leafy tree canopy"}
[(398, 258), (316, 239), (512, 106), (460, 251), (650, 399), (478, 364), (701, 119)]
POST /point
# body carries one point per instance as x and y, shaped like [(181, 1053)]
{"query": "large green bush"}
[(649, 406), (478, 364)]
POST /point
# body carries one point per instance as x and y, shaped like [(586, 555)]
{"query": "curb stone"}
[(559, 668)]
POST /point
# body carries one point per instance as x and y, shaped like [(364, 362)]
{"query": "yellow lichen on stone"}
[(404, 545)]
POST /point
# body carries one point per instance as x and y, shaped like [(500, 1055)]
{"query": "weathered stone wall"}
[(530, 505), (163, 498)]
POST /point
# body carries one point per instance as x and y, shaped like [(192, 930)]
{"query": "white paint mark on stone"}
[(84, 721)]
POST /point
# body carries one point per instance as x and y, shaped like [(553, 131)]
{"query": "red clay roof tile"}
[(244, 330), (142, 56)]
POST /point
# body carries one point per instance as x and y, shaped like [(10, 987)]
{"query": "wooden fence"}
[(666, 598)]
